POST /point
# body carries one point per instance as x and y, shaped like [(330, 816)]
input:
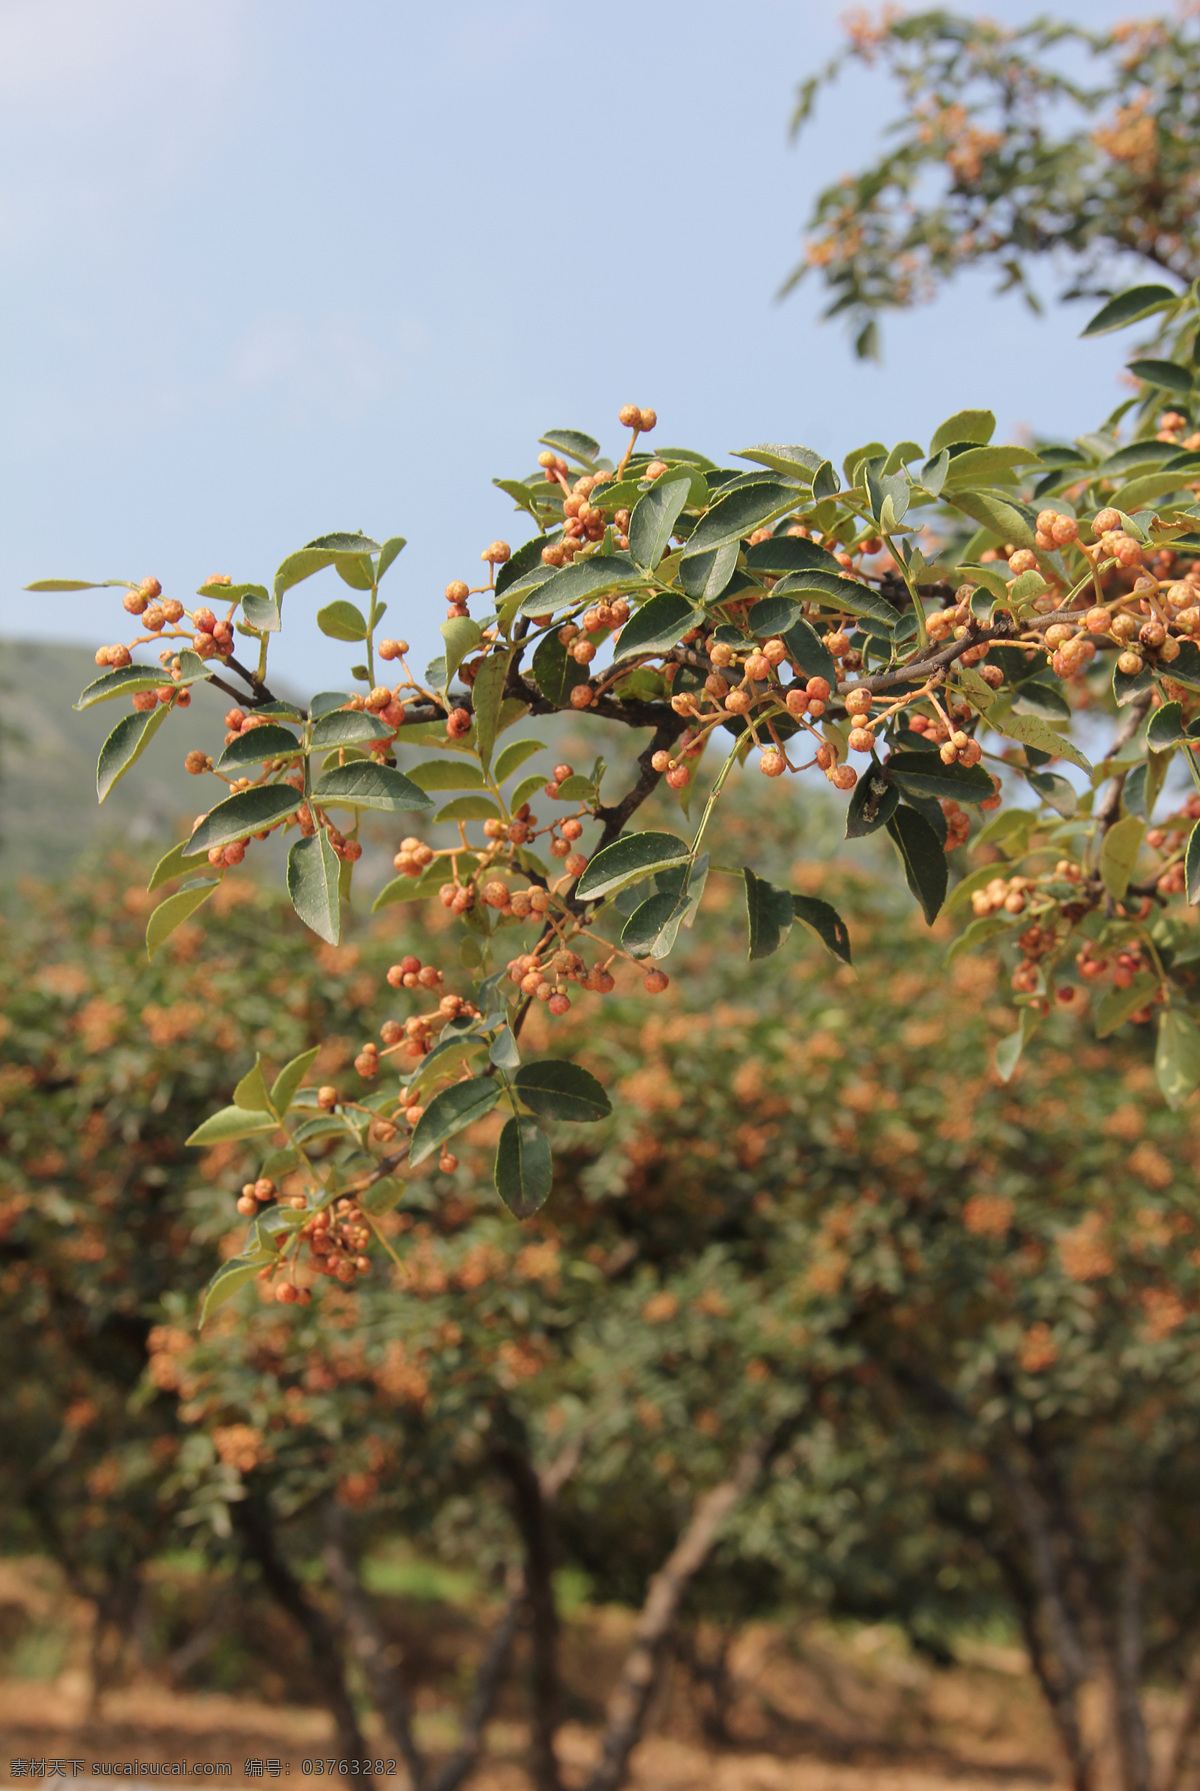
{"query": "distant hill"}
[(49, 815)]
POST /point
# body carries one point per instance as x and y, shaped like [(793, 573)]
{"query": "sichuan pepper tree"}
[(1013, 146), (902, 626)]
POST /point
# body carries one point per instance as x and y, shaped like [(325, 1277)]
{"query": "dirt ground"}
[(809, 1708)]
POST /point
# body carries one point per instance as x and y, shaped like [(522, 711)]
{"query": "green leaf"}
[(963, 426), (1118, 1004), (503, 1051), (733, 517), (980, 930), (809, 653), (628, 858), (925, 773), (1118, 854), (391, 549), (769, 914), (659, 625), (175, 910), (446, 774), (251, 1092), (1166, 727), (468, 808), (977, 465), (367, 785), (450, 1111), (126, 680), (250, 811), (1031, 730), (1146, 490), (527, 789), (346, 727), (837, 593), (460, 634), (574, 444), (231, 1276), (825, 922), (125, 746), (1191, 865), (1177, 1057), (790, 459), (1000, 515), (1008, 1051), (923, 859), (313, 871), (292, 1074), (555, 1089), (524, 1169), (230, 1124), (705, 575), (1168, 376), (1127, 687), (774, 615), (784, 554), (178, 862), (1129, 306), (874, 802), (487, 694), (316, 556), (78, 584), (652, 928), (582, 581), (342, 621), (514, 756), (1055, 791), (554, 671), (654, 518), (257, 744)]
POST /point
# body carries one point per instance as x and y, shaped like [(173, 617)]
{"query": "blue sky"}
[(274, 270)]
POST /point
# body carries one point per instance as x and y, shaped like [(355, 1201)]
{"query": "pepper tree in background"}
[(1048, 141)]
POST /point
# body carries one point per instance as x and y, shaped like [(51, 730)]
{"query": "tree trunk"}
[(1130, 1724), (254, 1527), (385, 1686), (1185, 1730), (532, 1516), (639, 1677), (489, 1679)]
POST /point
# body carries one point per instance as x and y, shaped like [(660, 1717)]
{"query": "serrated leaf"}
[(450, 1111), (809, 654), (1032, 730), (874, 802), (782, 555), (503, 1051), (1055, 791), (126, 680), (580, 582), (555, 1089), (249, 811), (286, 1084), (1168, 376), (178, 862), (839, 593), (998, 514), (1177, 1057), (574, 444), (515, 755), (555, 672), (175, 910), (769, 915), (446, 774), (923, 859), (77, 584), (257, 745), (788, 458), (774, 615), (625, 860), (313, 873), (653, 520), (737, 515), (125, 746), (1128, 306), (1118, 854), (524, 1169), (526, 790), (704, 576), (980, 931), (342, 621), (963, 426), (825, 921), (654, 923), (346, 727), (364, 784), (388, 553), (446, 1059), (230, 1124), (659, 625)]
